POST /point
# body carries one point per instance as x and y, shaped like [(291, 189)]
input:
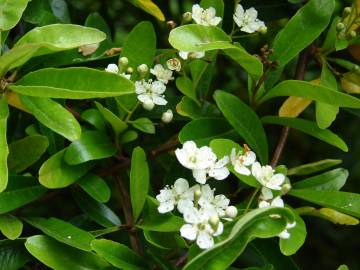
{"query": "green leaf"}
[(48, 39), (223, 147), (256, 223), (140, 45), (144, 124), (345, 202), (98, 212), (54, 116), (328, 214), (63, 232), (245, 121), (211, 128), (326, 113), (311, 91), (150, 7), (116, 123), (4, 149), (13, 199), (217, 4), (128, 136), (118, 254), (185, 86), (310, 20), (309, 128), (96, 187), (95, 118), (92, 145), (13, 254), (139, 181), (73, 83), (187, 107), (297, 237), (47, 251), (25, 152), (10, 226), (11, 12), (343, 267), (56, 173), (331, 180), (314, 167)]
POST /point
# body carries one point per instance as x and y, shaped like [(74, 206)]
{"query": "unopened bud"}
[(187, 17), (123, 61), (214, 222), (356, 68), (263, 30), (130, 70), (173, 64), (231, 211), (285, 189), (143, 69), (171, 24), (167, 116), (352, 34), (340, 26), (148, 105), (347, 11), (112, 68)]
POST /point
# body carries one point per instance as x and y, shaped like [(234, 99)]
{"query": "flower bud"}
[(231, 211), (340, 26), (187, 17), (352, 34), (197, 195), (167, 116), (347, 11), (263, 30), (171, 24), (123, 61), (285, 189), (214, 222), (173, 64), (143, 69), (112, 68), (130, 70), (148, 105)]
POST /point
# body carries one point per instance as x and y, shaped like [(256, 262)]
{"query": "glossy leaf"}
[(188, 108), (63, 232), (331, 180), (11, 12), (92, 145), (4, 150), (293, 106), (25, 152), (73, 83), (95, 118), (314, 167), (118, 254), (47, 251), (56, 173), (13, 254), (185, 86), (116, 123), (139, 181), (10, 226), (54, 116), (211, 128), (245, 121), (309, 128), (96, 187), (150, 7), (345, 202), (310, 91), (144, 124)]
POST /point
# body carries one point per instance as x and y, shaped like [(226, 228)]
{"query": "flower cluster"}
[(202, 210), (247, 20)]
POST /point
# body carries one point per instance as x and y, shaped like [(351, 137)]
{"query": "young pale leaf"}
[(47, 251), (25, 152), (10, 226), (256, 223), (13, 255), (293, 106), (139, 181), (311, 91), (63, 232), (140, 45), (329, 214), (211, 128), (54, 116), (92, 145), (118, 254), (144, 124), (309, 128), (73, 83), (116, 123), (96, 187), (245, 121), (345, 202), (56, 173), (331, 180), (314, 167), (4, 150), (98, 212), (11, 12), (150, 7)]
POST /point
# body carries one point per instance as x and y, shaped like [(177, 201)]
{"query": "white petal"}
[(200, 176), (181, 185), (222, 162), (277, 202), (219, 230), (144, 97), (189, 232), (277, 179), (251, 13), (256, 170), (207, 193), (266, 193), (183, 205), (284, 234), (184, 55), (219, 174), (164, 195), (198, 54), (204, 240), (249, 158), (241, 169), (166, 207), (112, 68), (192, 215), (159, 100), (264, 204), (291, 225), (221, 201)]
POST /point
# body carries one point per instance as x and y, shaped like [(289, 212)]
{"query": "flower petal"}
[(188, 231), (204, 240)]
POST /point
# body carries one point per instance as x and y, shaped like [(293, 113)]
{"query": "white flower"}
[(180, 194), (143, 69), (241, 161), (198, 227), (173, 64), (285, 234), (266, 177), (167, 116), (149, 91), (216, 205), (112, 68), (162, 74), (199, 160), (276, 202), (205, 17), (191, 55), (231, 212), (247, 20)]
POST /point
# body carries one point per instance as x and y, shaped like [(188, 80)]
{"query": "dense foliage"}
[(136, 135)]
